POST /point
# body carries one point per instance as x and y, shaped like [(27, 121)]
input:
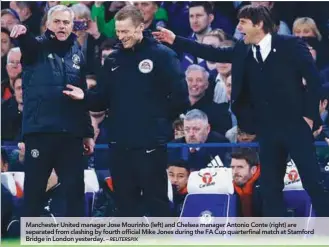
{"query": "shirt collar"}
[(265, 42)]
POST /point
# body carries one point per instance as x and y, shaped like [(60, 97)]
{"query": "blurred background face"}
[(245, 137), (178, 176), (128, 33), (196, 83), (61, 24), (14, 66), (196, 131), (304, 30), (241, 171), (80, 26), (228, 87), (199, 19), (148, 10), (262, 3), (5, 44), (8, 21), (18, 91), (91, 83)]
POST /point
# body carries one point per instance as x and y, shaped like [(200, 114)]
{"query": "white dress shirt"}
[(265, 47)]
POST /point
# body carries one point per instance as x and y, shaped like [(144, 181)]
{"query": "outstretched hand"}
[(17, 31), (75, 92), (164, 35)]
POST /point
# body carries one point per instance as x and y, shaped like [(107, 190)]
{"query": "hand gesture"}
[(164, 35), (93, 29), (75, 92), (88, 146), (17, 31)]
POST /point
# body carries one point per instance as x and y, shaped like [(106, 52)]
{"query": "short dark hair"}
[(248, 154), (178, 123), (207, 6), (130, 11), (257, 14), (179, 163), (4, 156), (91, 76), (108, 44), (6, 31)]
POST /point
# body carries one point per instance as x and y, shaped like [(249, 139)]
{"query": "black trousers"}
[(140, 181), (276, 144), (64, 153)]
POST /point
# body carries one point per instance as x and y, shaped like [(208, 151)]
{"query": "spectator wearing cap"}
[(149, 9), (197, 79), (89, 38), (28, 14), (281, 26), (246, 172), (197, 131), (178, 173), (14, 68), (11, 113), (6, 44), (9, 18)]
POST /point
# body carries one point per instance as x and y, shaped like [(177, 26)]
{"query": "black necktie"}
[(258, 55)]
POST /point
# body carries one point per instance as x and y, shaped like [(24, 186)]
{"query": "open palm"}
[(75, 92)]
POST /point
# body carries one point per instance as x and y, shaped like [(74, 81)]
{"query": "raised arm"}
[(207, 52), (28, 44)]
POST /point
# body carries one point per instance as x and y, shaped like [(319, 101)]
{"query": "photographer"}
[(89, 38)]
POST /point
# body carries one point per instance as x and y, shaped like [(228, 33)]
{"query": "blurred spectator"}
[(4, 160), (107, 47), (200, 17), (148, 10), (99, 12), (89, 37), (28, 14), (218, 114), (9, 18), (321, 128), (281, 26), (178, 173), (43, 24), (50, 4), (197, 131), (12, 113), (306, 27), (246, 172), (5, 47), (14, 68), (178, 126)]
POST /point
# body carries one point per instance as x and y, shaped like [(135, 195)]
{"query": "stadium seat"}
[(298, 203), (214, 205), (211, 181)]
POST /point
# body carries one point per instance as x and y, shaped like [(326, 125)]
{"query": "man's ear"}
[(259, 25), (208, 129), (211, 18), (253, 170)]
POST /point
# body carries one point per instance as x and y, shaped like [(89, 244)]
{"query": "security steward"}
[(56, 129), (142, 85)]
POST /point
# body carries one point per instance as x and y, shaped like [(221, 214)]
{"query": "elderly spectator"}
[(14, 68), (148, 9), (197, 79), (197, 131)]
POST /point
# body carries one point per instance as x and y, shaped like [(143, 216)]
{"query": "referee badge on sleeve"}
[(145, 66)]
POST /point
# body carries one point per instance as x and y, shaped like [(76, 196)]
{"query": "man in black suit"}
[(267, 72)]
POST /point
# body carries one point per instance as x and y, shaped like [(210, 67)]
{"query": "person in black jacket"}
[(267, 72), (55, 129), (142, 85)]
